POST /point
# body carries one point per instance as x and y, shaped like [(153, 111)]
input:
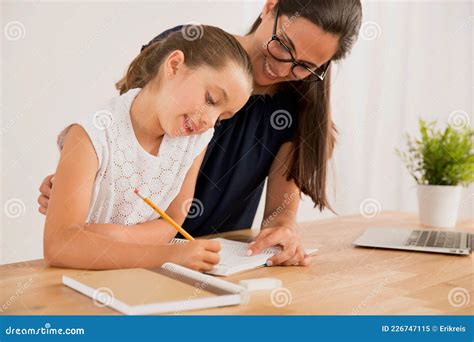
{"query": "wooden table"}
[(342, 279)]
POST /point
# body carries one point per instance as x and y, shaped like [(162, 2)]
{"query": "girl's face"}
[(191, 101), (308, 43)]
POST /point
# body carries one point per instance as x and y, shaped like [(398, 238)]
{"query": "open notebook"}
[(234, 259), (171, 288)]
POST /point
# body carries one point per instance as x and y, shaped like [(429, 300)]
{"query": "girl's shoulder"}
[(110, 113), (105, 126)]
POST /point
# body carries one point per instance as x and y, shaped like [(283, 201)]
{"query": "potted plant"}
[(440, 162)]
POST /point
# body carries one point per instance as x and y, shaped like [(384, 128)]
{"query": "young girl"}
[(152, 137)]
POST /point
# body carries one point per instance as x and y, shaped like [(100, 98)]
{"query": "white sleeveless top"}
[(124, 165)]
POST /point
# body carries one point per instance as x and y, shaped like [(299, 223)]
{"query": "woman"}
[(284, 132)]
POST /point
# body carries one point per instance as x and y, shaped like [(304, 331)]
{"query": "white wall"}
[(69, 54)]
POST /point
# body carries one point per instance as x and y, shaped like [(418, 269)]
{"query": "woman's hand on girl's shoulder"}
[(45, 193)]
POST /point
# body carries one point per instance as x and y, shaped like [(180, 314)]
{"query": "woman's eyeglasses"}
[(282, 53)]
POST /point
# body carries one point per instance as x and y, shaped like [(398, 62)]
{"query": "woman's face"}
[(193, 100), (307, 42)]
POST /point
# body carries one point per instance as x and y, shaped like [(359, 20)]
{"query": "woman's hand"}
[(288, 239), (279, 223), (199, 255), (45, 192)]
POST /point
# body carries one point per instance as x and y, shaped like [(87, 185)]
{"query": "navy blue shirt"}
[(237, 162)]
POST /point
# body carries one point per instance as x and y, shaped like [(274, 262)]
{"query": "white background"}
[(413, 59)]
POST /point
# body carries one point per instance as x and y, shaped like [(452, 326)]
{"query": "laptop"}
[(417, 240)]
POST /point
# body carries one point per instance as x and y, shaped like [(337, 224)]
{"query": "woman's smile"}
[(269, 73)]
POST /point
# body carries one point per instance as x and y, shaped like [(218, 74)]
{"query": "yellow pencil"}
[(165, 216)]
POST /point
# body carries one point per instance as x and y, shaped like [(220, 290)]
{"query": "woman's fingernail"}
[(269, 263), (249, 252)]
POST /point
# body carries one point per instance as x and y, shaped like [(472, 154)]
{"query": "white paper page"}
[(234, 253), (234, 258)]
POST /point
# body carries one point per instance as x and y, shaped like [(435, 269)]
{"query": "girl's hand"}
[(45, 192), (288, 239), (199, 255)]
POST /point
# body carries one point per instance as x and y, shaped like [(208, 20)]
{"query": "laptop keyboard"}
[(433, 238)]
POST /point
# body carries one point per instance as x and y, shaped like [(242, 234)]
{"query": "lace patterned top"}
[(124, 165)]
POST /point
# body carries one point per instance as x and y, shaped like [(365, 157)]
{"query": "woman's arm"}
[(68, 244), (157, 231), (279, 219)]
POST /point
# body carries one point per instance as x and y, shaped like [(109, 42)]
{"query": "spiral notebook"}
[(234, 258), (171, 288)]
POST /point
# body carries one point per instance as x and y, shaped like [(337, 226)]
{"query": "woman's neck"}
[(144, 118), (246, 42)]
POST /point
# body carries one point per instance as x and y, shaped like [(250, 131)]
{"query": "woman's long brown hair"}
[(316, 132)]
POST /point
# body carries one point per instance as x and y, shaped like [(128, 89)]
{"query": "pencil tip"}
[(135, 191)]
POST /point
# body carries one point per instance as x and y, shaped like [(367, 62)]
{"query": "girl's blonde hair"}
[(201, 45)]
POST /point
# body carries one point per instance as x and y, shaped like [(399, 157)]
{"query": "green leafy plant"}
[(440, 157)]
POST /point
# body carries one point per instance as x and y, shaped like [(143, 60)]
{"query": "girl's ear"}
[(173, 63)]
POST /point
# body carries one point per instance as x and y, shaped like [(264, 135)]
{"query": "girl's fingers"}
[(205, 266), (211, 258), (213, 246)]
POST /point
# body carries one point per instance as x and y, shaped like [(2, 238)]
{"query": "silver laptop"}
[(417, 240)]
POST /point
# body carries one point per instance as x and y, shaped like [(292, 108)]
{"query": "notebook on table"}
[(234, 258), (171, 288)]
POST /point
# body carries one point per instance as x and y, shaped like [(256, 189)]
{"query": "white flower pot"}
[(438, 205)]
